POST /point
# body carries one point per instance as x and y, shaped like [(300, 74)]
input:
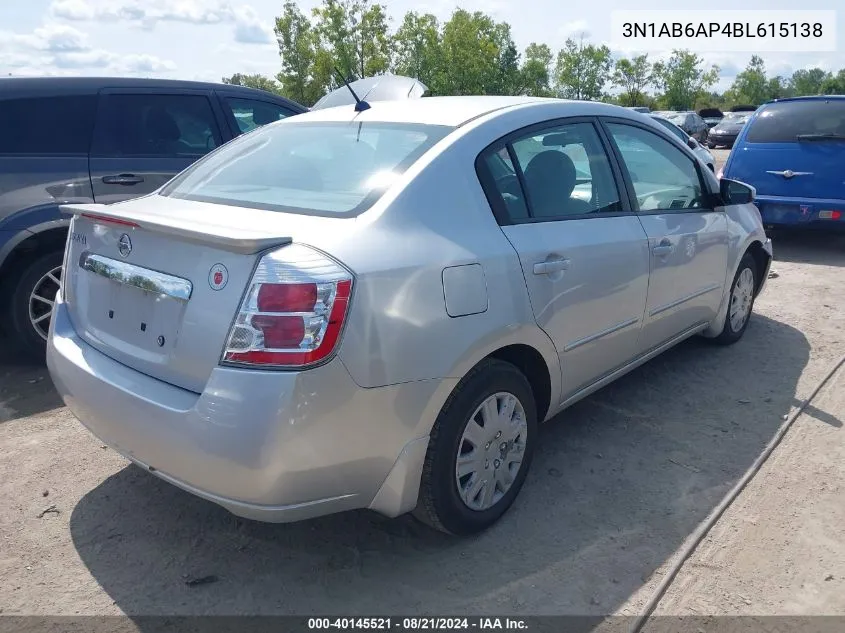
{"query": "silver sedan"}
[(375, 307)]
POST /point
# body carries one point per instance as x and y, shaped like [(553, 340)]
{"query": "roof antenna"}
[(360, 105)]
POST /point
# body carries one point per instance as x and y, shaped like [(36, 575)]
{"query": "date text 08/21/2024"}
[(417, 624)]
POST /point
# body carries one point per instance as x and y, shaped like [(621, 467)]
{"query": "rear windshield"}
[(792, 121), (324, 168)]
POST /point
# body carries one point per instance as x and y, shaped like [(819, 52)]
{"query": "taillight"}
[(293, 311), (830, 214)]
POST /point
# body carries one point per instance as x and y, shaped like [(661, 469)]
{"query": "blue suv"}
[(103, 140), (792, 151)]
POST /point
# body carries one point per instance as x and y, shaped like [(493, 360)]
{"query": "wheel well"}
[(52, 239), (530, 362), (761, 258)]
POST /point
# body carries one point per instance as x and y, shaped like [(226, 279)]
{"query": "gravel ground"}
[(618, 484)]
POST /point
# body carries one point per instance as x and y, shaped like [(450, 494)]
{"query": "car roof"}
[(807, 98), (15, 86), (449, 111)]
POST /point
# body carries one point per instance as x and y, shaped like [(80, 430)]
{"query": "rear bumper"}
[(271, 446), (800, 212)]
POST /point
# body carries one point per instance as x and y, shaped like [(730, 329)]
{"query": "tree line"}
[(471, 53)]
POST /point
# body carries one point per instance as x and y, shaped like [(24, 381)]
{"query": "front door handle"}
[(664, 248), (551, 266), (123, 179)]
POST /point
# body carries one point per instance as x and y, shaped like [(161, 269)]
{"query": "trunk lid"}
[(156, 282)]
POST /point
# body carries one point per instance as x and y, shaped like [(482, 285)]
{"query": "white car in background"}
[(697, 148)]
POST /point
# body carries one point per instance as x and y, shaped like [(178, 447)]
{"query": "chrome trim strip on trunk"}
[(136, 276)]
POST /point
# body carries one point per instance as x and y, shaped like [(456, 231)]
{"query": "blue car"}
[(792, 151)]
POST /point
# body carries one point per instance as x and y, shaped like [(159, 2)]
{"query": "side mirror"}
[(691, 143), (735, 192)]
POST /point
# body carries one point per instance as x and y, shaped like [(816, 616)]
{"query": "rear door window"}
[(156, 125), (250, 113), (54, 125), (792, 121)]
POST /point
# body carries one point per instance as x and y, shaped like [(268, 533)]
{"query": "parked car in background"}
[(711, 116), (697, 148), (297, 325), (641, 109), (98, 140), (792, 151), (725, 133), (386, 87), (688, 121)]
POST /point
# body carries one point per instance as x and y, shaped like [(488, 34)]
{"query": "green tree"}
[(253, 81), (808, 82), (582, 70), (416, 48), (508, 79), (682, 79), (536, 70), (353, 35), (470, 54), (834, 84), (751, 86), (778, 88), (298, 50), (633, 76)]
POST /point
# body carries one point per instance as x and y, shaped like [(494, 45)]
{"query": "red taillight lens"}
[(102, 219), (280, 332), (293, 312), (830, 214), (287, 297)]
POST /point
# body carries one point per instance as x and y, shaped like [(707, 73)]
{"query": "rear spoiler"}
[(232, 238)]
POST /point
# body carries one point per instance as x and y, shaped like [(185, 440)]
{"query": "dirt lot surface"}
[(618, 484)]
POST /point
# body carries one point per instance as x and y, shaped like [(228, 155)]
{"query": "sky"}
[(209, 39)]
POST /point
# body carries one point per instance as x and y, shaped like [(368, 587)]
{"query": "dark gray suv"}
[(96, 140)]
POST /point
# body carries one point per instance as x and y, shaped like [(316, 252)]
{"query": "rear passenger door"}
[(142, 139), (583, 252), (688, 239)]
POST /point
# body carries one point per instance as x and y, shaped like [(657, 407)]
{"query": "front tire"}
[(741, 302), (30, 305), (479, 451)]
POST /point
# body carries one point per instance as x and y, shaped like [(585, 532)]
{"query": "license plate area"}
[(785, 213), (132, 309)]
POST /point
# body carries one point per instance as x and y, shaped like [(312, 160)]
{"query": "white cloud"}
[(50, 37), (148, 12), (57, 49), (249, 28), (576, 29)]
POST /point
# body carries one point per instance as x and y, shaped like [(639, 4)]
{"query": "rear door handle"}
[(551, 266), (664, 248), (123, 179)]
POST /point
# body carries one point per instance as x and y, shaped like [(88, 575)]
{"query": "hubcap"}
[(741, 299), (41, 301), (490, 451)]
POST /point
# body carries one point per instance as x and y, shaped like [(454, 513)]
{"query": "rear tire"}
[(741, 302), (30, 303), (484, 445)]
